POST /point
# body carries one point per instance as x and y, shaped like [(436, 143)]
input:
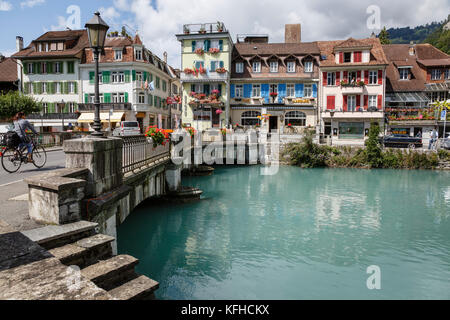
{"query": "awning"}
[(88, 117), (407, 97), (437, 86)]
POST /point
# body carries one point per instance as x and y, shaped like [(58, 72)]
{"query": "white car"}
[(127, 128)]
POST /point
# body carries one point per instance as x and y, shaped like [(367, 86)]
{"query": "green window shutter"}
[(145, 75), (194, 43), (221, 45), (75, 87), (133, 72), (49, 67), (155, 101), (86, 98), (105, 76), (50, 107), (221, 64), (91, 77), (150, 100), (70, 67), (34, 87), (25, 68), (66, 108), (39, 87), (61, 64), (207, 45), (51, 87), (66, 87), (127, 75), (126, 96), (108, 97)]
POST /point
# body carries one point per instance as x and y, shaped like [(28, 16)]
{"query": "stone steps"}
[(111, 273), (141, 288), (51, 237), (86, 251)]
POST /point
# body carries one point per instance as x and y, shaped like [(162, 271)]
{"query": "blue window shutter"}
[(207, 45), (221, 64), (206, 89), (221, 45), (299, 90), (192, 87), (265, 92), (282, 90), (194, 43), (314, 88), (232, 88), (247, 90), (213, 66), (220, 89)]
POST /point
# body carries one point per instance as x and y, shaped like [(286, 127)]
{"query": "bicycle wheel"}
[(39, 156), (11, 160)]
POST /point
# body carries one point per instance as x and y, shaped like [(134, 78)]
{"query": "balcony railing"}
[(206, 76), (123, 106), (53, 116), (202, 28)]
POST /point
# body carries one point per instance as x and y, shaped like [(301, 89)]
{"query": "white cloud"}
[(7, 52), (62, 24), (5, 5), (109, 14), (321, 20), (31, 3)]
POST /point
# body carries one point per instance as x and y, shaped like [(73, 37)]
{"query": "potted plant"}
[(219, 26), (202, 70), (186, 30), (158, 136), (221, 70), (188, 71), (214, 50), (202, 29), (199, 51), (273, 95), (361, 83)]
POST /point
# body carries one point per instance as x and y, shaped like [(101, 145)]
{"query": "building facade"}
[(352, 88), (205, 78), (275, 85)]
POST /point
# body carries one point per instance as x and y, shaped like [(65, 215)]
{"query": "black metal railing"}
[(55, 139), (138, 152), (105, 106), (53, 116)]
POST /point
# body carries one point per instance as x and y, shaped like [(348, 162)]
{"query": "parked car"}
[(401, 141), (127, 128)]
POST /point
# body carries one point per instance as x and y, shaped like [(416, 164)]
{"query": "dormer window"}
[(138, 54), (308, 66), (256, 66), (117, 55), (436, 74), (273, 66), (46, 47), (53, 46), (447, 74), (347, 57), (39, 47), (404, 73), (239, 67), (291, 66), (60, 46)]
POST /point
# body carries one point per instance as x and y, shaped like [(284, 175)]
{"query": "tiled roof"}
[(79, 36), (398, 55), (8, 70), (434, 62), (427, 51), (327, 49), (118, 42), (246, 49)]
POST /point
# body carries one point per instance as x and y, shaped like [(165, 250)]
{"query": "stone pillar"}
[(102, 157), (173, 176)]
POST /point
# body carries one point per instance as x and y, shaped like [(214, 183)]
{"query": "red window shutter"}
[(380, 76), (380, 98), (357, 56), (428, 75), (358, 102), (358, 75), (324, 74), (338, 78), (366, 76), (345, 102), (330, 102), (366, 101), (341, 57), (345, 76)]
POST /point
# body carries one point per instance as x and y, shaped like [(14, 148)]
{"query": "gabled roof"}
[(245, 49), (434, 62), (118, 42), (8, 70), (79, 37), (327, 49)]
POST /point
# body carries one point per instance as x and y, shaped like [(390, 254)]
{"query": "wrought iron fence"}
[(138, 151), (55, 139)]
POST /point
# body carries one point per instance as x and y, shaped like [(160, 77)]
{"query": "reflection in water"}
[(303, 233)]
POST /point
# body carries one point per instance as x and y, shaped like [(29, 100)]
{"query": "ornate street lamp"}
[(97, 29)]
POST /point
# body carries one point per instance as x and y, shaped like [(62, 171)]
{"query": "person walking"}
[(20, 127), (433, 138)]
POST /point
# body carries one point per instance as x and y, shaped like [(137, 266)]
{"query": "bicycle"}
[(13, 157)]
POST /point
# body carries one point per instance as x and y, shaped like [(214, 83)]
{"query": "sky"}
[(157, 21)]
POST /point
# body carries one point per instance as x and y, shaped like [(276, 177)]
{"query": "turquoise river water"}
[(300, 234)]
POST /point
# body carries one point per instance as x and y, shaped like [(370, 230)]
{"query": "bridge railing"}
[(56, 139), (138, 151)]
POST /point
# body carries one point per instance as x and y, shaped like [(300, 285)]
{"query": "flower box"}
[(214, 50), (221, 70), (188, 71), (199, 51)]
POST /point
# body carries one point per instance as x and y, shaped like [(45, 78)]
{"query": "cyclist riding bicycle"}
[(20, 127)]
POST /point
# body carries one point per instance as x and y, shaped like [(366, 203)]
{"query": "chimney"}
[(292, 33), (412, 50), (19, 43), (165, 57)]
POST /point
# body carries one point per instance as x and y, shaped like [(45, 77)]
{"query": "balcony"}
[(53, 116), (203, 28), (338, 113), (352, 88), (208, 76), (122, 106)]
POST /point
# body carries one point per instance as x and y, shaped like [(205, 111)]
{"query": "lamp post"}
[(97, 29)]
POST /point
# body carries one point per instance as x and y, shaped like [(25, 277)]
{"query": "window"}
[(100, 78), (250, 118), (351, 130), (273, 66), (44, 67), (290, 90), (202, 113), (118, 55), (436, 74), (45, 107), (174, 89), (118, 77), (44, 87), (40, 47), (138, 54), (404, 73), (373, 77), (331, 78), (92, 98), (295, 118), (164, 85), (46, 47), (139, 76), (115, 97), (199, 45), (239, 67), (372, 101), (215, 44), (291, 66), (70, 67), (308, 66), (71, 107), (351, 77), (58, 87), (273, 88), (256, 66), (121, 97), (447, 74), (71, 87), (158, 83), (198, 88), (58, 67), (60, 46), (141, 97), (437, 96), (30, 68), (347, 57), (239, 91), (307, 91), (53, 46), (256, 90), (351, 103)]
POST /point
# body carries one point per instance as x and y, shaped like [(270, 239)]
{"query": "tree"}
[(14, 101), (373, 148), (384, 36)]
